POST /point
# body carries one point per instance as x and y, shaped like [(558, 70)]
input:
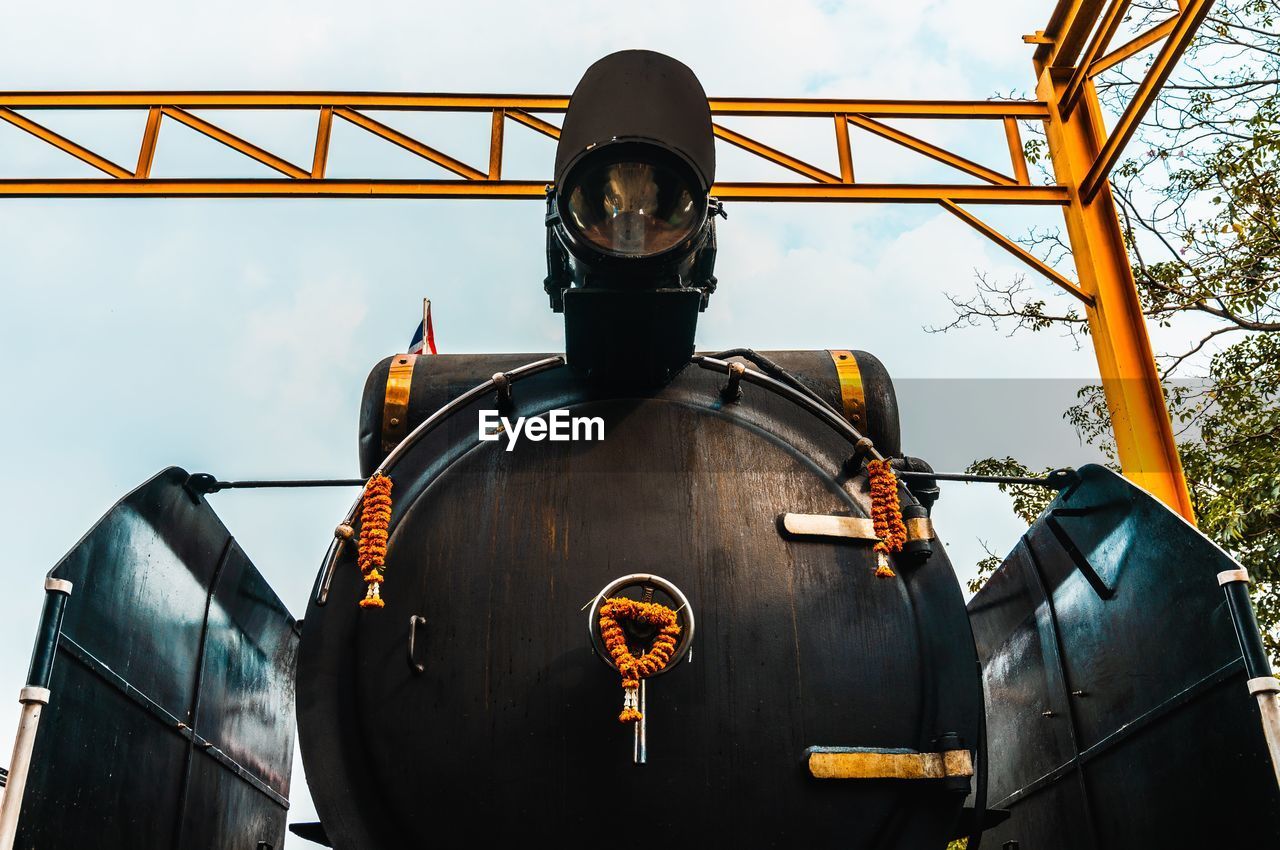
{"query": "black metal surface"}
[(439, 379), (510, 732), (1118, 715), (625, 336), (170, 722), (313, 832)]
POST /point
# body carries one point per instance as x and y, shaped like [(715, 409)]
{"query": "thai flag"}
[(424, 338)]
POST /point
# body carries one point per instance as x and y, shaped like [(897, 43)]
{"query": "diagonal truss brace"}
[(63, 143), (1018, 251)]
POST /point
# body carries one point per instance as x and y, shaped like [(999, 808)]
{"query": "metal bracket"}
[(31, 694), (395, 401), (822, 525), (849, 527), (872, 763), (502, 382), (920, 528), (853, 399), (1264, 685), (1081, 561), (58, 585), (732, 390)]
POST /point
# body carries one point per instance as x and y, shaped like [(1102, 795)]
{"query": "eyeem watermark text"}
[(557, 426)]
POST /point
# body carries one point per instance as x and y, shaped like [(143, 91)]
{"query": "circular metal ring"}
[(683, 608)]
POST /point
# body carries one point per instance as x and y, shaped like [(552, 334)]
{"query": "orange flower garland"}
[(615, 640), (375, 517), (886, 515)]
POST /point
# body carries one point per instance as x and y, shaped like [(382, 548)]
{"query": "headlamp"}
[(631, 240), (631, 200)]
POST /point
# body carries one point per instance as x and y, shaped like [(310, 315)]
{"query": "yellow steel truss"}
[(1074, 47)]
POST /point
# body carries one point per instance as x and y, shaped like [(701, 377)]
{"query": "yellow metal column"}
[(1130, 379)]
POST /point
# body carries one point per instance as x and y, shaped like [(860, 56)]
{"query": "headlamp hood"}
[(641, 97)]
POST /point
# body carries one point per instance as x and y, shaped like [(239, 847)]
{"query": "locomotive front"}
[(637, 593)]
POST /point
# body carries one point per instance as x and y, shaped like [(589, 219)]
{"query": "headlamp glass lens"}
[(632, 208)]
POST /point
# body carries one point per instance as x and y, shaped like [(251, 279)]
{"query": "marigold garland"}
[(886, 515), (615, 640), (375, 517)]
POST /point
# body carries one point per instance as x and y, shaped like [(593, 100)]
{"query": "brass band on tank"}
[(395, 405), (853, 399)]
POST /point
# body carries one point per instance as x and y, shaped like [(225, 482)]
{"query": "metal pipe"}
[(641, 755), (1262, 684), (34, 697), (217, 486), (815, 406), (426, 426), (1055, 480), (771, 369), (981, 766)]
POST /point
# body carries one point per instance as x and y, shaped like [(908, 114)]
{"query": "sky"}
[(233, 336)]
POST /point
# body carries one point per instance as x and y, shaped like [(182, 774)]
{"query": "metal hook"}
[(414, 622)]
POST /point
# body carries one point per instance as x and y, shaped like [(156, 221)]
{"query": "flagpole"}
[(428, 333)]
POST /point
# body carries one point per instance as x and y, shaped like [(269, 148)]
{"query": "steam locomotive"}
[(499, 555), (719, 617)]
